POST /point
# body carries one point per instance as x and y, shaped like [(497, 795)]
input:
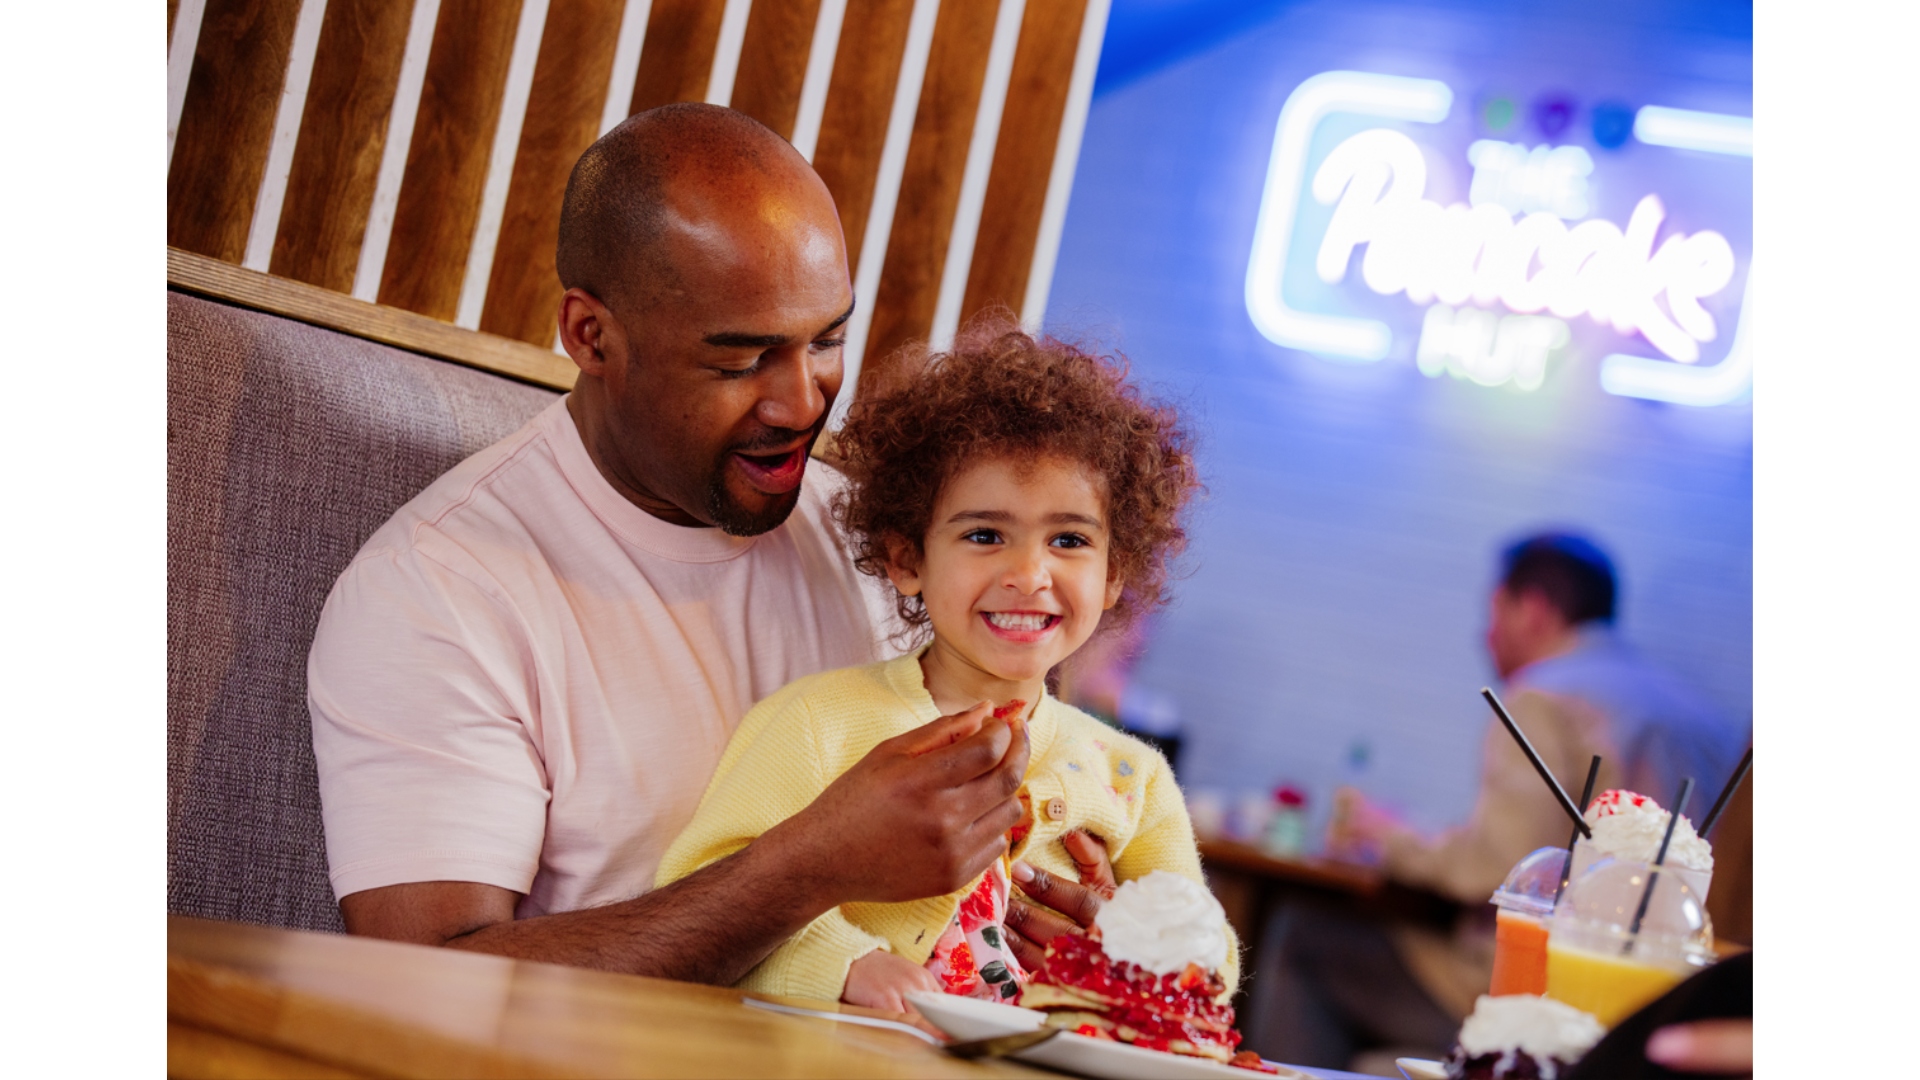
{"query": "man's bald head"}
[(684, 164)]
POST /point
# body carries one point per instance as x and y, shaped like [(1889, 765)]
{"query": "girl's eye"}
[(982, 536), (1071, 540)]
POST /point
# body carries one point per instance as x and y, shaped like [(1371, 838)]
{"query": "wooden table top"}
[(260, 1002), (1304, 870)]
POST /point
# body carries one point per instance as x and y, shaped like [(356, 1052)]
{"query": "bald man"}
[(523, 682)]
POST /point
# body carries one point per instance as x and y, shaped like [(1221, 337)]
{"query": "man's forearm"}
[(712, 926)]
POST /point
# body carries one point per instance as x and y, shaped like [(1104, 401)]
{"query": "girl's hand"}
[(881, 980)]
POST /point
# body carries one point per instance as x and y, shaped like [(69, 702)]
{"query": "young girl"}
[(1016, 493)]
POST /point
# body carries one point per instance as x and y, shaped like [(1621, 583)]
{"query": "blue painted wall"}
[(1330, 629)]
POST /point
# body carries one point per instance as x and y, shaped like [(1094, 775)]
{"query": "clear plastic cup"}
[(1586, 855), (1525, 901), (1594, 960)]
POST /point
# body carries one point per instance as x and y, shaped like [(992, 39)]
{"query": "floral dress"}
[(972, 957)]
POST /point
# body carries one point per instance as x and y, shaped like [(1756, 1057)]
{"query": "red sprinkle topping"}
[(1619, 800)]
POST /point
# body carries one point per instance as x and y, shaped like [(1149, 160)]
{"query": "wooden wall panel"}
[(1023, 155), (677, 56), (343, 130), (853, 127), (773, 61), (226, 124), (563, 118), (439, 201), (173, 10), (930, 186)]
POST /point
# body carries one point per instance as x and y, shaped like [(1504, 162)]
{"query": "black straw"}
[(1586, 797), (1560, 793), (1726, 793), (1673, 819)]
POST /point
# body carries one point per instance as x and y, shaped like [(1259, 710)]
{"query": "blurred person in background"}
[(1336, 988)]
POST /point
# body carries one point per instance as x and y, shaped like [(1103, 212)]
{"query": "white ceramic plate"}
[(971, 1018), (1421, 1069)]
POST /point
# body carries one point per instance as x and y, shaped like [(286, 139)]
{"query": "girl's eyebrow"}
[(1002, 516)]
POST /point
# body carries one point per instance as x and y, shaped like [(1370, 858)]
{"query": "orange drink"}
[(1525, 900), (1519, 955), (1611, 987)]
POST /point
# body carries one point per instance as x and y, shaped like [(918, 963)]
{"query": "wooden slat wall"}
[(677, 58), (447, 161), (563, 118), (871, 154), (239, 65), (343, 131)]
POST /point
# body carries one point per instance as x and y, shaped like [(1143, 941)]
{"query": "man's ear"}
[(584, 325), (903, 567)]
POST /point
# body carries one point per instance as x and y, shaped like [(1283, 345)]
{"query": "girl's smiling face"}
[(1013, 575)]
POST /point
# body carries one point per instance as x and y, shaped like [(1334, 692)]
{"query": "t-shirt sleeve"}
[(420, 691)]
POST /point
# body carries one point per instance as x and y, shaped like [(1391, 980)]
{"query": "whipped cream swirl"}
[(1541, 1026), (1163, 922), (1627, 825)]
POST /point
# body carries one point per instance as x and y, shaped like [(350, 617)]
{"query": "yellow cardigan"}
[(802, 737)]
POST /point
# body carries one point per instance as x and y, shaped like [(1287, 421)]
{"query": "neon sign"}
[(1517, 243)]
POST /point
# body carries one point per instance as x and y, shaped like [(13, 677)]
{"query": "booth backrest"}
[(287, 446)]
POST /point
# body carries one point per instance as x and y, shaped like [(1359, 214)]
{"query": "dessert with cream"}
[(1521, 1037), (1627, 825), (1146, 973)]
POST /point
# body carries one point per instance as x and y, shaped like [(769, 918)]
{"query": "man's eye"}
[(1071, 540), (982, 536), (829, 343), (738, 373)]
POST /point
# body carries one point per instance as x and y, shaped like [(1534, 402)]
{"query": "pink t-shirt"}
[(527, 681)]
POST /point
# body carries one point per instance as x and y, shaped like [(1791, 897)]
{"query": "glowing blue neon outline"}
[(1389, 96), (1627, 375)]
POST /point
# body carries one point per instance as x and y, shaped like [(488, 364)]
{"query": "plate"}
[(1421, 1069), (967, 1018)]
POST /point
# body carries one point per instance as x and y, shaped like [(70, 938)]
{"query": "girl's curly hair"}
[(1000, 393)]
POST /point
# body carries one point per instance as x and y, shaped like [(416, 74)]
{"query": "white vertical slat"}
[(726, 52), (286, 129), (626, 68), (393, 158), (813, 88), (626, 63), (186, 36), (886, 194), (506, 144), (1066, 157), (973, 182)]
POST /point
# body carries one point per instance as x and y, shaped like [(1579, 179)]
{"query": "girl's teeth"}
[(1019, 622)]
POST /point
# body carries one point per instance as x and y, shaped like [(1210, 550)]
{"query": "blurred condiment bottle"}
[(1286, 832)]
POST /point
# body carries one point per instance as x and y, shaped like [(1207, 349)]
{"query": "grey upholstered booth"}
[(287, 445)]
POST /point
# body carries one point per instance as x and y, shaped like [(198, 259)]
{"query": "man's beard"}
[(736, 520)]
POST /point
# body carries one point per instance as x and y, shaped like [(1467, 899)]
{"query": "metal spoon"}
[(1002, 1045)]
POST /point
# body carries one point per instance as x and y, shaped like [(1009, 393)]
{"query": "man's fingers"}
[(942, 732), (967, 759), (1704, 1046), (1076, 902), (1031, 956), (1035, 923), (1089, 856)]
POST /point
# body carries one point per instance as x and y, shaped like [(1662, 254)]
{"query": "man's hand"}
[(921, 815), (1033, 925), (1715, 1047), (881, 980)]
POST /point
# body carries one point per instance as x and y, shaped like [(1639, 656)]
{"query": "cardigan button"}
[(1056, 809)]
